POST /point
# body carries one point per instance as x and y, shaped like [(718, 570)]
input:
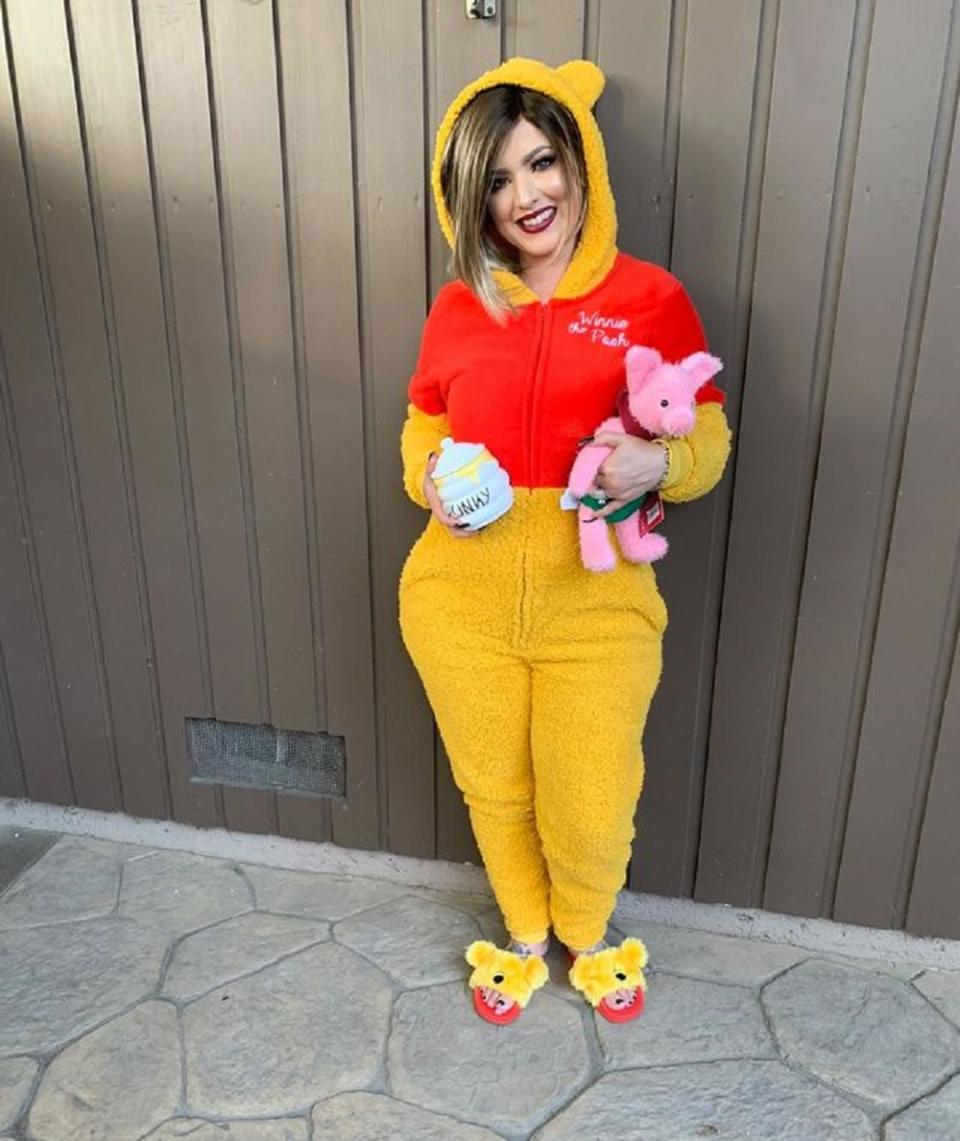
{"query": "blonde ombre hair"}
[(466, 174)]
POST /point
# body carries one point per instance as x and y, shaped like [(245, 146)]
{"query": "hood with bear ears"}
[(577, 85)]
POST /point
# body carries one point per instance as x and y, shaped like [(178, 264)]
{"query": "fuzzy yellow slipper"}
[(515, 976), (598, 976)]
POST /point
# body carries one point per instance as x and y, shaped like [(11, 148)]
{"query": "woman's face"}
[(530, 204)]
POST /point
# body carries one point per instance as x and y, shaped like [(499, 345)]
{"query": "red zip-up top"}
[(531, 390)]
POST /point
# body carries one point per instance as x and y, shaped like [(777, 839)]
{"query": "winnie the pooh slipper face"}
[(602, 974), (515, 976)]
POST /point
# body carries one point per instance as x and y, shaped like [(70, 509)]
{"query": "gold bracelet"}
[(666, 471)]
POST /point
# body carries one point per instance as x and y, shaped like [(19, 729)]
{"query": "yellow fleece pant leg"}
[(479, 690), (586, 737), (482, 712), (596, 657)]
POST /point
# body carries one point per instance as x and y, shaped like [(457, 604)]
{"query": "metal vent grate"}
[(259, 756)]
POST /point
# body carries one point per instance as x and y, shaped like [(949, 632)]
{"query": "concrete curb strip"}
[(275, 851)]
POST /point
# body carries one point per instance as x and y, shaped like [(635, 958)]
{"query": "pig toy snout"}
[(678, 421)]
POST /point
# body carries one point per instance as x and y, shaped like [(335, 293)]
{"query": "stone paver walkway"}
[(148, 994)]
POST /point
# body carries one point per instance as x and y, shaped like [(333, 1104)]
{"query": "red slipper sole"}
[(488, 1014), (621, 1013)]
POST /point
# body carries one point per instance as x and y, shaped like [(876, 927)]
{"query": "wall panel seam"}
[(6, 712), (120, 421), (753, 184), (930, 742), (429, 46), (66, 435), (239, 406), (670, 150), (366, 404), (168, 303), (311, 507), (36, 591), (425, 45), (591, 28), (756, 158), (508, 30), (236, 377)]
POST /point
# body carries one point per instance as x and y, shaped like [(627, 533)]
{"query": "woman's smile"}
[(538, 222)]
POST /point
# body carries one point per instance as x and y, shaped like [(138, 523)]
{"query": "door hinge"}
[(481, 9)]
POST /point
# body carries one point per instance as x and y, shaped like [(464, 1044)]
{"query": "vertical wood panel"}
[(633, 49), (56, 167), (551, 30), (107, 69), (316, 89), (935, 888), (779, 424), (34, 414), (388, 54), (12, 782), (192, 265), (936, 885), (914, 645), (456, 54), (716, 114), (29, 719), (252, 198)]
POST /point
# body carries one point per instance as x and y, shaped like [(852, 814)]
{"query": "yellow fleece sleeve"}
[(697, 460), (421, 435)]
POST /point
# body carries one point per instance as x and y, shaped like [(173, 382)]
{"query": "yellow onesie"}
[(539, 672)]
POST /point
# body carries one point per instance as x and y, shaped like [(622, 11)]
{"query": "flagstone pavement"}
[(156, 994)]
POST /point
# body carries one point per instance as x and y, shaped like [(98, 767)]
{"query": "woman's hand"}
[(458, 530), (633, 468)]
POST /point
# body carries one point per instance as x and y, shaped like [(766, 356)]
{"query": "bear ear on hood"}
[(586, 79)]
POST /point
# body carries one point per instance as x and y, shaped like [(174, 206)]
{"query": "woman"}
[(540, 673)]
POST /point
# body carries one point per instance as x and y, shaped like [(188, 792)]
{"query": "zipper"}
[(544, 314), (524, 593), (535, 386)]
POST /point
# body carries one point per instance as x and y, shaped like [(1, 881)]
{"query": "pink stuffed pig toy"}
[(661, 402)]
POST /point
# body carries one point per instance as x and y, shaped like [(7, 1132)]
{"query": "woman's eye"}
[(497, 184), (544, 161)]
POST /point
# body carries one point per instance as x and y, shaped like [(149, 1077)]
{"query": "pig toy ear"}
[(700, 367), (641, 361)]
